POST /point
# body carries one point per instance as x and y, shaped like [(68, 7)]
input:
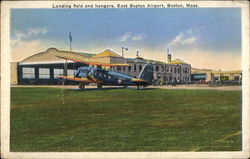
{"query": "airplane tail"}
[(147, 73)]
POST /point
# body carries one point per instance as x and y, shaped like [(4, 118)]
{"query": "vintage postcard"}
[(124, 79)]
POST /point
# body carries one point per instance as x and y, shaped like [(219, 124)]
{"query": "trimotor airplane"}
[(95, 74)]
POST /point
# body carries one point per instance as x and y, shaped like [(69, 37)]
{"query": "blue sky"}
[(211, 32)]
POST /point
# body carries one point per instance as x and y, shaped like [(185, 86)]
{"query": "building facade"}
[(164, 73), (45, 67)]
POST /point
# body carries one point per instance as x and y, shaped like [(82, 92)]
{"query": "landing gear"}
[(138, 87), (81, 85), (99, 86)]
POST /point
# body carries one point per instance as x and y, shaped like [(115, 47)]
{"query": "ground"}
[(56, 119)]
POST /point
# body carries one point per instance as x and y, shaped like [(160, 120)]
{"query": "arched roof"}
[(50, 56)]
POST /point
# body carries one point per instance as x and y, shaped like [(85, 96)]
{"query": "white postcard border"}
[(5, 87)]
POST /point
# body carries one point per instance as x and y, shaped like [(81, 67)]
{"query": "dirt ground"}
[(195, 86), (190, 86)]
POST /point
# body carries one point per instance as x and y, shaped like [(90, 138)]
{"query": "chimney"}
[(168, 56)]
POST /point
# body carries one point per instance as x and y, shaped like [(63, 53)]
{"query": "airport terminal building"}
[(45, 67)]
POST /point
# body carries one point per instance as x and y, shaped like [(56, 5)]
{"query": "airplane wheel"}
[(138, 87), (125, 86), (81, 85), (99, 86)]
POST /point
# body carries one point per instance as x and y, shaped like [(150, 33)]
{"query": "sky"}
[(204, 37)]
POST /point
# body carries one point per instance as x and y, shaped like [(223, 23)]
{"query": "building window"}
[(216, 78), (167, 69), (197, 77), (129, 68), (134, 68), (171, 69), (44, 73), (156, 68), (164, 78), (178, 70), (162, 68), (119, 68), (70, 72), (174, 70), (58, 72), (140, 67), (28, 73), (237, 78)]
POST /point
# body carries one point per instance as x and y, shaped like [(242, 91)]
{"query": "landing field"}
[(52, 119)]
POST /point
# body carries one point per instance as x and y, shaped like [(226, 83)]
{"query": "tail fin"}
[(147, 73)]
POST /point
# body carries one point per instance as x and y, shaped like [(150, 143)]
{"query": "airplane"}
[(94, 73)]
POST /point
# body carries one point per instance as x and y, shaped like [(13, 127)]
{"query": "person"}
[(154, 82), (174, 82), (161, 82)]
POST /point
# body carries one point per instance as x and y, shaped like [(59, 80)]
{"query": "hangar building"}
[(45, 67), (213, 75)]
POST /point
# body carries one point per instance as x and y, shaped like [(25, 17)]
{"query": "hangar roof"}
[(49, 56), (107, 53), (227, 72), (177, 61), (142, 60)]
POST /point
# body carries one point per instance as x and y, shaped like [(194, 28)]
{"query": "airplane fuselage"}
[(106, 77)]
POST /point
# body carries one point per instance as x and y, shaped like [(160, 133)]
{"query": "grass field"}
[(42, 119)]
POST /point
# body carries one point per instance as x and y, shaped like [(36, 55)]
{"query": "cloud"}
[(131, 37), (22, 46), (190, 31), (138, 37), (125, 37), (28, 33), (183, 39)]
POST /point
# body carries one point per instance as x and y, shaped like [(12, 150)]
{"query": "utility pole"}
[(137, 53), (124, 48), (65, 65), (70, 40)]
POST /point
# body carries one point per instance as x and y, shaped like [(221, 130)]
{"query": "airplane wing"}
[(72, 78), (91, 62), (138, 80)]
